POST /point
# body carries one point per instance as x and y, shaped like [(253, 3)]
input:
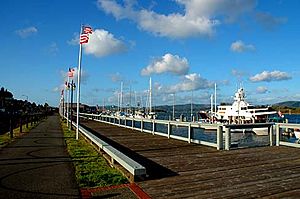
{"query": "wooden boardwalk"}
[(177, 169)]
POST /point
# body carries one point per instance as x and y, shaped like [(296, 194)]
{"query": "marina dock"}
[(177, 169)]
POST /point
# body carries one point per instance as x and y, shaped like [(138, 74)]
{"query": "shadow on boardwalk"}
[(154, 170)]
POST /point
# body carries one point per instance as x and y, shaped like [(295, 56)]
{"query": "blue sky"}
[(184, 45)]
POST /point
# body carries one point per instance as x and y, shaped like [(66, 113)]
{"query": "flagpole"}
[(78, 85), (68, 96)]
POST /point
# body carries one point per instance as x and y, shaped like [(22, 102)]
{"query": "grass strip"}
[(5, 138), (91, 169)]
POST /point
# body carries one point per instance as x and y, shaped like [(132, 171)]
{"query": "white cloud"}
[(237, 73), (116, 77), (230, 9), (174, 25), (167, 64), (75, 40), (270, 76), (102, 43), (269, 22), (53, 48), (261, 89), (199, 18), (191, 82), (26, 32), (240, 46)]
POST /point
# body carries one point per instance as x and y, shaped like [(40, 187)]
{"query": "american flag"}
[(87, 30), (71, 72), (84, 38)]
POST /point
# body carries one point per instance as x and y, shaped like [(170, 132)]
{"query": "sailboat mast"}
[(174, 106), (121, 98), (215, 99), (150, 95)]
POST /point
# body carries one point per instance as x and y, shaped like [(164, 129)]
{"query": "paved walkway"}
[(37, 165)]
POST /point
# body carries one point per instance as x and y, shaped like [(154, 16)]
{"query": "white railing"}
[(122, 122), (279, 127), (221, 130)]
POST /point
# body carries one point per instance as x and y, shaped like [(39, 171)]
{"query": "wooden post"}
[(11, 128), (189, 132), (27, 121), (21, 130), (277, 134), (227, 138), (220, 137)]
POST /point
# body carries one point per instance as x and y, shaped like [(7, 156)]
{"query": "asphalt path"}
[(37, 165)]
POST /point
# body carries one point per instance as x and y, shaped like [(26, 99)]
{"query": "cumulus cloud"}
[(116, 77), (268, 21), (270, 76), (102, 43), (26, 32), (200, 17), (191, 82), (261, 89), (237, 73), (230, 9), (240, 46), (167, 64), (53, 48)]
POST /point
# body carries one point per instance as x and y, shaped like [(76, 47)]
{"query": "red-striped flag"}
[(71, 72), (87, 30), (84, 38)]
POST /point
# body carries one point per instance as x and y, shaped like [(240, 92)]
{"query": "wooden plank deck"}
[(177, 169)]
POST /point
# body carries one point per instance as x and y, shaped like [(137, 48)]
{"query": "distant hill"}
[(182, 108), (290, 104)]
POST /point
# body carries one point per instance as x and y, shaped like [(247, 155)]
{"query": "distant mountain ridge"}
[(291, 104)]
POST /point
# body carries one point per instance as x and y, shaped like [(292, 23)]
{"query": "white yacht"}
[(241, 112)]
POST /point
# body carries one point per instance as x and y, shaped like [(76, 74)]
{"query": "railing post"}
[(153, 127), (142, 125), (277, 134), (270, 130), (227, 138), (125, 122), (132, 123), (189, 132), (119, 120), (169, 129), (220, 137)]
